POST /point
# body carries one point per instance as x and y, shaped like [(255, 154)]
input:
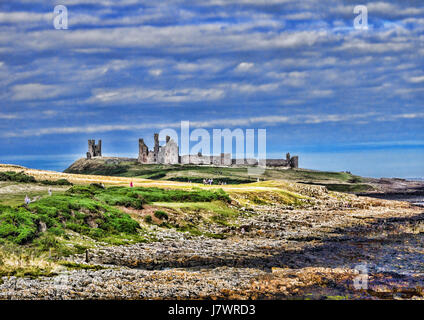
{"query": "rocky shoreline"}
[(394, 186)]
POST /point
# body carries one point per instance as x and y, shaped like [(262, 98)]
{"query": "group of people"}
[(210, 182)]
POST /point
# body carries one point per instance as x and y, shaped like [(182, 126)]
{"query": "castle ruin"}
[(94, 150), (169, 154)]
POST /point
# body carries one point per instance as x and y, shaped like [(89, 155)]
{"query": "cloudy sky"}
[(340, 98)]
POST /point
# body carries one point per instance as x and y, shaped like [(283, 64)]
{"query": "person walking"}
[(131, 184), (50, 191), (27, 200)]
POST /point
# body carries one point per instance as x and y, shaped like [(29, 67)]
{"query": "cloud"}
[(244, 66), (133, 95), (273, 120), (8, 116), (218, 62), (25, 17), (155, 72), (418, 79), (251, 88), (36, 91), (373, 47)]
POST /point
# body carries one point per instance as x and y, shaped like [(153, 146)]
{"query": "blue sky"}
[(340, 98)]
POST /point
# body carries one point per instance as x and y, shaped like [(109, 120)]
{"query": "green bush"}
[(91, 210), (114, 196), (161, 215), (163, 195), (60, 182), (47, 242), (17, 225), (20, 225), (90, 190), (16, 177), (135, 197), (23, 177)]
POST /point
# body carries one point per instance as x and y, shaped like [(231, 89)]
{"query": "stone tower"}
[(94, 150), (156, 148), (294, 162)]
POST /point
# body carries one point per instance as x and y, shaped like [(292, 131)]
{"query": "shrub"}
[(47, 242), (16, 177), (87, 191), (23, 177), (73, 212), (161, 215), (60, 182), (135, 197), (17, 225), (163, 195), (90, 210)]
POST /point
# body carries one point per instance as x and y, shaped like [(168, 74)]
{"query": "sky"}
[(342, 98)]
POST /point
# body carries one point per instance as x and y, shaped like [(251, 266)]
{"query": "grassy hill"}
[(87, 211), (334, 181)]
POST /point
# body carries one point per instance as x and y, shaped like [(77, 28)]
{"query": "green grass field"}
[(334, 181)]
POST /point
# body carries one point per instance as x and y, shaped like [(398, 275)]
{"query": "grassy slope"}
[(85, 216), (13, 194), (334, 181)]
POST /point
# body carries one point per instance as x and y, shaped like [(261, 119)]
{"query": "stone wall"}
[(277, 163), (198, 159), (169, 153), (224, 159)]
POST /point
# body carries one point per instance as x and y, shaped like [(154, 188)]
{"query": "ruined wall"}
[(185, 159), (167, 154), (288, 162), (224, 159), (245, 162), (216, 160), (143, 151), (199, 159), (277, 163), (292, 162)]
